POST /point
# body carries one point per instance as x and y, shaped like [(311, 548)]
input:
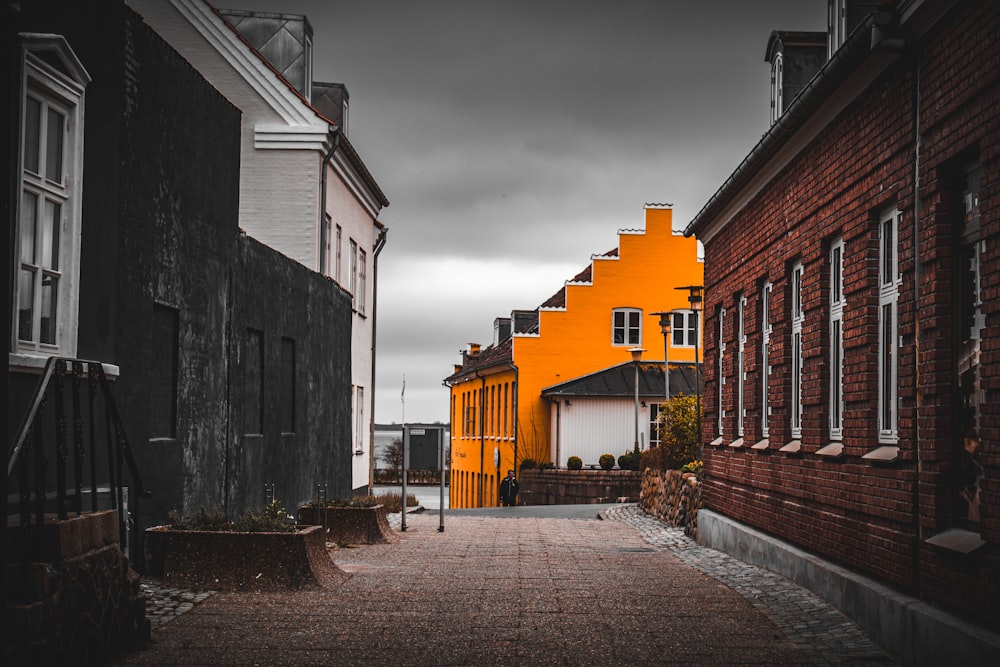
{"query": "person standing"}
[(508, 490)]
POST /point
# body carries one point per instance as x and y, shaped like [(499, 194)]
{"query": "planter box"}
[(350, 525), (211, 560)]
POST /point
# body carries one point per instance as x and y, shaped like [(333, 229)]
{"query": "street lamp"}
[(665, 330), (695, 293), (636, 353)]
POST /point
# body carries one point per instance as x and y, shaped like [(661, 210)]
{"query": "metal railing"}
[(72, 425)]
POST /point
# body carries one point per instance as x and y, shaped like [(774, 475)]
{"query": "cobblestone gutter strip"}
[(812, 624)]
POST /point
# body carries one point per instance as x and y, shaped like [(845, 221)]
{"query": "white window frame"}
[(797, 314), (741, 341), (765, 357), (777, 87), (359, 421), (362, 284), (353, 278), (836, 353), (836, 26), (721, 373), (889, 280), (684, 328), (338, 251), (627, 326), (61, 89)]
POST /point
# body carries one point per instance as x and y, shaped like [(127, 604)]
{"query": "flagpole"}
[(406, 452)]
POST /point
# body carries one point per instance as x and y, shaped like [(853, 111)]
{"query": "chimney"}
[(331, 100), (501, 330), (474, 350)]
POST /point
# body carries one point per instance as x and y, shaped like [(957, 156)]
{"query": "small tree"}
[(394, 454), (574, 463), (678, 425)]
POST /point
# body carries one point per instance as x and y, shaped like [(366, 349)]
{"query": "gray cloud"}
[(518, 136)]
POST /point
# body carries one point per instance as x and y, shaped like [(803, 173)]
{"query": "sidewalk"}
[(524, 591)]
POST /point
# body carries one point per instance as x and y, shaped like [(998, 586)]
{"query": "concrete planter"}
[(216, 560), (350, 525)]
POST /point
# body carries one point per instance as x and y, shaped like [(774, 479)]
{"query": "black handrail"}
[(28, 451)]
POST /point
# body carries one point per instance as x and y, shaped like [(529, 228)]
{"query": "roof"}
[(558, 300), (495, 357), (620, 381), (837, 70), (345, 145)]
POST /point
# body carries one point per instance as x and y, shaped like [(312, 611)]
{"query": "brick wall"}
[(873, 518)]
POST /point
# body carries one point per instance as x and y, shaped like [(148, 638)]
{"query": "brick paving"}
[(819, 629), (525, 591)]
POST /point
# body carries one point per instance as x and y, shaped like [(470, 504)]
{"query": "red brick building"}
[(852, 307)]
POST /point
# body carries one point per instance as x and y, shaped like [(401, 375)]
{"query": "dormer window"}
[(777, 77)]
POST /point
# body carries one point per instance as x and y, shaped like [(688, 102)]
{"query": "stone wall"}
[(672, 496), (574, 487)]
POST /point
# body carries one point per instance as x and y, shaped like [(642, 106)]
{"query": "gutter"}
[(379, 244), (323, 259)]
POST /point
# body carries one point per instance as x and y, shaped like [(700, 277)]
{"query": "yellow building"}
[(498, 414)]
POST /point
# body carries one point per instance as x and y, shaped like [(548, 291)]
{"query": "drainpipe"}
[(323, 259), (379, 244), (916, 323)]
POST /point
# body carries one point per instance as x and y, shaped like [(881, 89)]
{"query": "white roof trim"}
[(307, 137), (252, 68)]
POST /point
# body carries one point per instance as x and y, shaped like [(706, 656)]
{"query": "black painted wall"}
[(170, 288)]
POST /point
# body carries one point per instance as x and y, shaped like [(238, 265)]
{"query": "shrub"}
[(546, 466), (529, 464), (630, 460), (271, 519), (654, 458), (678, 424), (574, 463), (607, 461), (394, 501)]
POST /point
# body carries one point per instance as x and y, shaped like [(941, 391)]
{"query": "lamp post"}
[(695, 294), (665, 330), (636, 353)]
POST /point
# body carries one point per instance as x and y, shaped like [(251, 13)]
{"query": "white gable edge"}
[(261, 78)]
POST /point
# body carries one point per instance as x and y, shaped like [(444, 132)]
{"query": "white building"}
[(304, 190)]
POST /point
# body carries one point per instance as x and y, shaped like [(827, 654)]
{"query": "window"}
[(721, 370), (798, 317), (353, 278), (359, 295), (654, 424), (970, 320), (625, 326), (741, 341), (888, 327), (288, 385), (837, 339), (359, 422), (765, 359), (777, 82), (338, 261), (163, 371), (253, 384), (48, 234), (684, 331), (836, 25), (470, 420)]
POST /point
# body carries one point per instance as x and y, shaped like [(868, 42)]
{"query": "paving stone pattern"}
[(819, 629), (526, 591)]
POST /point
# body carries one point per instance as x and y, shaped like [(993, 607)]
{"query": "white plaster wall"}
[(594, 426)]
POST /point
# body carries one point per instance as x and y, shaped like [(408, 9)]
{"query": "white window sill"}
[(34, 364), (957, 539)]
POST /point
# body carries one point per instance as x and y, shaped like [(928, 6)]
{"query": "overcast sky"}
[(514, 138)]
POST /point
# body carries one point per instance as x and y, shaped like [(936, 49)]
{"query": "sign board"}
[(424, 444)]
